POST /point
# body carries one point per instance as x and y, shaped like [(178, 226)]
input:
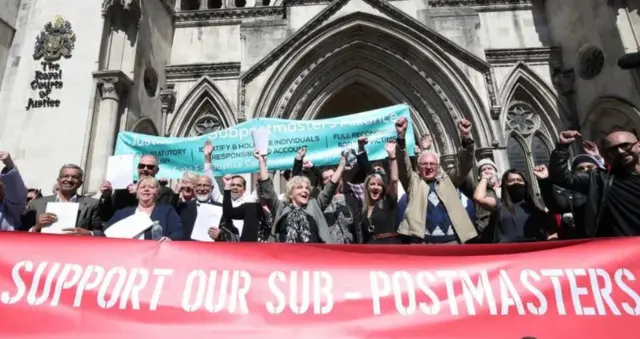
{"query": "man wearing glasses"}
[(613, 197), (111, 201)]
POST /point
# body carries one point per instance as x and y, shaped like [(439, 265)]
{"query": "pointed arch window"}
[(540, 151), (208, 120), (526, 146), (517, 155)]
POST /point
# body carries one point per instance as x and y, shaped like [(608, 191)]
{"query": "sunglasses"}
[(145, 166), (625, 146)]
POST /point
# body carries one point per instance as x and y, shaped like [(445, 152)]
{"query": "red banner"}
[(78, 288)]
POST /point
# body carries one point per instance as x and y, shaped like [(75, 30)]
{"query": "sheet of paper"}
[(208, 216), (129, 228), (261, 140), (120, 171), (67, 213)]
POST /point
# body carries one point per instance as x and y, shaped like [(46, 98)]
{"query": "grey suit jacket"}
[(88, 213)]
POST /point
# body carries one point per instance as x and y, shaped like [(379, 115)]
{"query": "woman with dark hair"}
[(516, 216)]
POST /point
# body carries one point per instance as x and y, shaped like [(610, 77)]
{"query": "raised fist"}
[(541, 172), (568, 137), (464, 126), (401, 126)]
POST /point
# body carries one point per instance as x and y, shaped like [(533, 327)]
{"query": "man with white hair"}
[(435, 214)]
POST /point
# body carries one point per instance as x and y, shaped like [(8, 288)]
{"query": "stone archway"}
[(364, 51), (355, 97), (609, 114)]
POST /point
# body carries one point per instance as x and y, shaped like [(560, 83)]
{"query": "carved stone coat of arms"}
[(56, 40)]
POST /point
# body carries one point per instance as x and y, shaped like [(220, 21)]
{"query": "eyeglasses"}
[(625, 146), (145, 166)]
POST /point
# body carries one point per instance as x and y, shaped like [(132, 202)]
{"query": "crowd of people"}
[(360, 202)]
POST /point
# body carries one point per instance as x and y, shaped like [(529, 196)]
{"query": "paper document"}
[(120, 171), (129, 228), (208, 216), (67, 214), (261, 140)]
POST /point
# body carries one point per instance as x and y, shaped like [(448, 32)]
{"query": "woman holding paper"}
[(165, 215), (380, 199), (299, 218)]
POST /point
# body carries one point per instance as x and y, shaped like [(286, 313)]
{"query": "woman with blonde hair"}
[(380, 200), (299, 218), (186, 187), (165, 215)]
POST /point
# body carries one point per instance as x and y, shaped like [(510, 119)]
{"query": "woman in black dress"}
[(380, 200)]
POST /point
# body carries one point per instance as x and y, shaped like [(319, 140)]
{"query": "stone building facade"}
[(520, 70)]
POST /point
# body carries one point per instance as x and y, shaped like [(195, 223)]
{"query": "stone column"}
[(113, 87), (204, 4), (168, 99)]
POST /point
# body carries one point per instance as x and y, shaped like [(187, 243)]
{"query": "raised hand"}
[(568, 137), (105, 188), (464, 126), (227, 181), (541, 172), (5, 157), (307, 164), (208, 148), (401, 126), (258, 155), (302, 152), (426, 142), (390, 147), (591, 148), (362, 141)]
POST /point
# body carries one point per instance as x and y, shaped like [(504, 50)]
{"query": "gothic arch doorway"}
[(360, 62), (353, 98)]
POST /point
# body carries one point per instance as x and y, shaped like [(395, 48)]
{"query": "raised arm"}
[(298, 162), (267, 192), (208, 171), (459, 172), (405, 172), (559, 169), (480, 195), (393, 169), (15, 191), (555, 202), (329, 190), (364, 166)]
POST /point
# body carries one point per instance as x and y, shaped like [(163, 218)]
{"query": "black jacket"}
[(594, 185), (561, 201)]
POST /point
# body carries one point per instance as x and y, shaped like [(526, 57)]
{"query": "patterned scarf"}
[(297, 226), (342, 218)]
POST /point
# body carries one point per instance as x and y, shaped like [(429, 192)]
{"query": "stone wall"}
[(582, 28), (8, 18), (152, 55), (43, 139)]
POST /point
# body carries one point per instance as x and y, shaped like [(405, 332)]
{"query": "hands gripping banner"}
[(79, 288), (233, 147)]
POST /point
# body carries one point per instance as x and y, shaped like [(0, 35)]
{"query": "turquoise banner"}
[(233, 147)]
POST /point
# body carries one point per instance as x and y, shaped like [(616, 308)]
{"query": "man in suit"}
[(69, 180), (188, 211), (111, 201)]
